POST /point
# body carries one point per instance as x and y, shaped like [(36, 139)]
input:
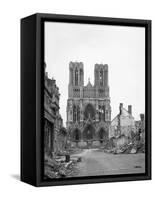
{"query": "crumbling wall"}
[(120, 141)]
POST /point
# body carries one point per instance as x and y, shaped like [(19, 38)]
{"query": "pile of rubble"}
[(59, 168), (110, 144), (130, 148)]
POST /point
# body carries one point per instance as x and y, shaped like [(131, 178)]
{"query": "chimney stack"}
[(130, 109), (120, 108)]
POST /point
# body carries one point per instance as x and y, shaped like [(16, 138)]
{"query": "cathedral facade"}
[(88, 107)]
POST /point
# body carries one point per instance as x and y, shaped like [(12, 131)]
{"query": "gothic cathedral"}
[(88, 107)]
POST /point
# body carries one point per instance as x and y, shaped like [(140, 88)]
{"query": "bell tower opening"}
[(101, 77), (76, 77)]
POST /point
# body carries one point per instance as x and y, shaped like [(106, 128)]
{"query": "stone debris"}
[(110, 144), (130, 148), (58, 168), (133, 150), (122, 144)]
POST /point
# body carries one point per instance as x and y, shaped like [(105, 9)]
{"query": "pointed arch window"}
[(101, 112), (89, 112), (76, 113), (76, 76)]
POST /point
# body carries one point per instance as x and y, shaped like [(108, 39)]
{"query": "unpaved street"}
[(96, 162)]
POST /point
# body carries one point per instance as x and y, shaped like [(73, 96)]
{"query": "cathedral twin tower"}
[(88, 107)]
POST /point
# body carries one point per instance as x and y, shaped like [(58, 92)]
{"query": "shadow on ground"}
[(16, 176)]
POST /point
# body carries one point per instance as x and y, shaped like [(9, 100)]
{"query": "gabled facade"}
[(123, 123)]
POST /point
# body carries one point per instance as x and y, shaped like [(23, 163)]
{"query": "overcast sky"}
[(122, 48)]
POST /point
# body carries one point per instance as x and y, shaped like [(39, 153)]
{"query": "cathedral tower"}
[(76, 79), (101, 80)]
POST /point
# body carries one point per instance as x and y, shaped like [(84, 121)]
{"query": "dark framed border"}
[(32, 87)]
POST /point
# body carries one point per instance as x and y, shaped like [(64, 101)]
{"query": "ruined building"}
[(140, 127), (123, 125), (53, 123), (88, 107)]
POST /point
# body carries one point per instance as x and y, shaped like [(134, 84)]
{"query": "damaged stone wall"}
[(53, 123), (123, 123)]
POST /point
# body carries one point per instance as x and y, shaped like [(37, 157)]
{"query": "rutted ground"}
[(96, 162)]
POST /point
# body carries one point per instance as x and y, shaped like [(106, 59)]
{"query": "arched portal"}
[(89, 132), (102, 135), (76, 135), (89, 112)]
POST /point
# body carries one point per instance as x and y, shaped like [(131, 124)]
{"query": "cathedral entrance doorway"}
[(76, 135), (103, 136), (88, 134)]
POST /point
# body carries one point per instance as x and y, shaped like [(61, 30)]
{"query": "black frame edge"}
[(148, 96), (28, 100)]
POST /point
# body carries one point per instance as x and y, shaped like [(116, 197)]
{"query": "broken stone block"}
[(133, 151)]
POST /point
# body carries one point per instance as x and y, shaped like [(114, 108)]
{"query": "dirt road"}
[(96, 162)]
